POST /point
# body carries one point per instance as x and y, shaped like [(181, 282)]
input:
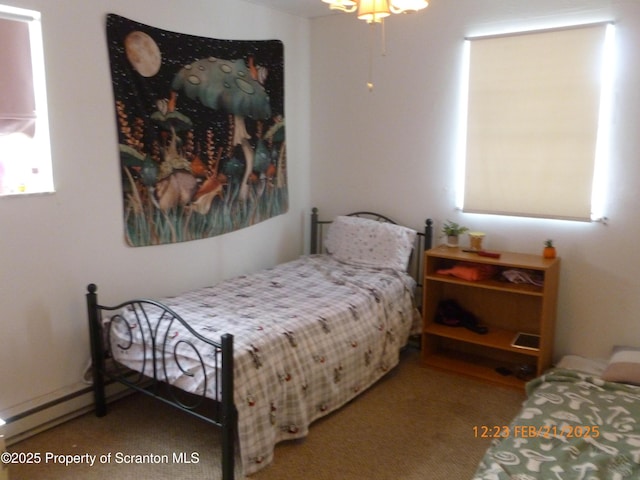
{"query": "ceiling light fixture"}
[(375, 11)]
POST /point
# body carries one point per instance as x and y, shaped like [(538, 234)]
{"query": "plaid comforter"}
[(309, 335)]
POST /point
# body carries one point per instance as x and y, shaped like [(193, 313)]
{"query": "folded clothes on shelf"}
[(523, 276), (470, 271)]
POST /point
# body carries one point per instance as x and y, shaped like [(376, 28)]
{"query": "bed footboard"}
[(154, 318)]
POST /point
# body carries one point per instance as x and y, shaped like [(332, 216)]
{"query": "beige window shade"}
[(17, 100), (532, 122)]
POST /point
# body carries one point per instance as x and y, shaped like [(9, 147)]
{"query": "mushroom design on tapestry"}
[(228, 85)]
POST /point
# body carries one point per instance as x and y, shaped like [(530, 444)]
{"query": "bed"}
[(264, 355), (581, 420)]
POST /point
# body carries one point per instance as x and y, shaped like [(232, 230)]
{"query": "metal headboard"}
[(424, 241)]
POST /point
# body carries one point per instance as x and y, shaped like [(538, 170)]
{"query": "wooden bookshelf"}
[(505, 308)]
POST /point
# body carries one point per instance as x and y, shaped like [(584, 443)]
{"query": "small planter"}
[(452, 231), (453, 241)]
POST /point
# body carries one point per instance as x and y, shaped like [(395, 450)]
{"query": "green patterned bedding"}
[(572, 426)]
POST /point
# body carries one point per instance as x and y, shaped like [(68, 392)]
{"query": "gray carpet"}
[(415, 424)]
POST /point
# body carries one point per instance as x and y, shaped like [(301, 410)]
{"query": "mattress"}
[(573, 425), (309, 336)]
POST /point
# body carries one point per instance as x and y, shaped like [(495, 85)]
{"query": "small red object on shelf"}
[(483, 253)]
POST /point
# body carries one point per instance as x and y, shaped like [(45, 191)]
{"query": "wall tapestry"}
[(200, 131)]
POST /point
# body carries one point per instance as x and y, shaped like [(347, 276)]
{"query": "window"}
[(25, 157), (537, 122)]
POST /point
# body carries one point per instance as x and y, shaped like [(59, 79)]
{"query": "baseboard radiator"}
[(49, 411)]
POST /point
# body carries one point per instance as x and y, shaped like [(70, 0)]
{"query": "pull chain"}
[(384, 38), (383, 51), (371, 40)]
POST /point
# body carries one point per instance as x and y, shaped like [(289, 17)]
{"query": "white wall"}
[(393, 149), (390, 150), (52, 246)]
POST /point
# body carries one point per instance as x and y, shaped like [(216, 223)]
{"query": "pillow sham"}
[(363, 241), (623, 366)]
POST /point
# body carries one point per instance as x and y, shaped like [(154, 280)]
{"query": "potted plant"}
[(452, 231)]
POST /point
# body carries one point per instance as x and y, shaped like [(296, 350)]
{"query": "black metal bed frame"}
[(151, 314)]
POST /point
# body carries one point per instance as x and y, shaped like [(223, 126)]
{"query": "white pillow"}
[(363, 241), (624, 365)]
